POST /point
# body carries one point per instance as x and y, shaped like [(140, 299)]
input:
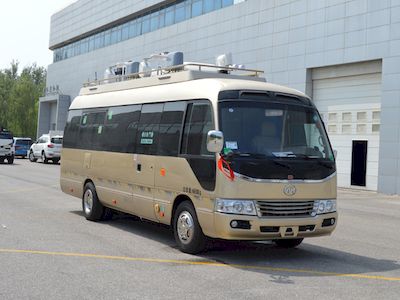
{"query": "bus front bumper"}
[(240, 227)]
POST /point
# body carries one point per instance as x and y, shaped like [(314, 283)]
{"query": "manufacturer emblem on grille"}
[(289, 190)]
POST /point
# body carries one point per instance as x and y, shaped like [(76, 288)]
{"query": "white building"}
[(343, 53)]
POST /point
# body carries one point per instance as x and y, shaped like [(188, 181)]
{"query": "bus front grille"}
[(285, 208)]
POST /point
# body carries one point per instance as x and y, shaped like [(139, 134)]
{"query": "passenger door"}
[(144, 160)]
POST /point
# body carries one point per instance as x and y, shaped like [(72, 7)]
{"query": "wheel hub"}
[(88, 202), (185, 227)]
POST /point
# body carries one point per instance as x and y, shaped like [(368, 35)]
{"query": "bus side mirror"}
[(215, 141)]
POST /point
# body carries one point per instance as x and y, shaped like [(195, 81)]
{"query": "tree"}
[(19, 98), (7, 80)]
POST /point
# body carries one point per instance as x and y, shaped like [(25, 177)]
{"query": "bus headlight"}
[(324, 207), (238, 207)]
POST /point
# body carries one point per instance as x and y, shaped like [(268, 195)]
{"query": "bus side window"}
[(197, 124), (170, 128), (120, 129), (147, 133), (72, 129), (91, 129)]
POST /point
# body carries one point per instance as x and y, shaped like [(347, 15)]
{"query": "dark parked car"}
[(22, 146)]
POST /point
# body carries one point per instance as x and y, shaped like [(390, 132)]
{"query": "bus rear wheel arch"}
[(187, 231), (92, 208)]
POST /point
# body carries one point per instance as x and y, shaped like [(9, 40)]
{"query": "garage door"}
[(349, 100)]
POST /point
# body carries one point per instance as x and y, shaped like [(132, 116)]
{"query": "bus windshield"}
[(276, 132)]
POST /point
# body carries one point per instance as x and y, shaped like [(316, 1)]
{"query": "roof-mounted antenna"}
[(225, 60)]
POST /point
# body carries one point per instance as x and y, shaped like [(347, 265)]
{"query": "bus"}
[(213, 154)]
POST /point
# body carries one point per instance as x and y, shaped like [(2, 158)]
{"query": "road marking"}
[(202, 263)]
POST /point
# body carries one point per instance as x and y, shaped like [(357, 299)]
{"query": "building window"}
[(197, 8), (174, 13)]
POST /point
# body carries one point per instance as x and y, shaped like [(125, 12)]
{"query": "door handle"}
[(139, 167)]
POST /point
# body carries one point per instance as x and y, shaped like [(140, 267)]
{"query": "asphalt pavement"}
[(48, 250)]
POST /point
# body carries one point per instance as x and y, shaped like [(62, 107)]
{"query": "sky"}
[(25, 30)]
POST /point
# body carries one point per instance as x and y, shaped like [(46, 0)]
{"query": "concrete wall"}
[(286, 38)]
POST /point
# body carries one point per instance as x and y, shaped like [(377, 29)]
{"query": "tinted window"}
[(125, 32), (119, 134), (26, 142), (197, 8), (148, 128), (169, 16), (180, 14), (227, 2), (197, 124), (57, 140), (170, 128), (71, 130), (154, 21), (91, 129), (146, 24), (6, 135), (208, 5)]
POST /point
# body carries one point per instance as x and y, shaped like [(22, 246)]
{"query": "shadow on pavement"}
[(239, 254)]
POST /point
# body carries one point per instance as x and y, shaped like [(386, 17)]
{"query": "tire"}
[(10, 160), (187, 231), (288, 243), (32, 157), (55, 161), (92, 209), (44, 158), (1, 160)]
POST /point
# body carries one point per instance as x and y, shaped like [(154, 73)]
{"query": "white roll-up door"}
[(349, 100)]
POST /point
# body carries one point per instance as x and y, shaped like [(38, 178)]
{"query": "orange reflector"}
[(114, 202), (162, 172)]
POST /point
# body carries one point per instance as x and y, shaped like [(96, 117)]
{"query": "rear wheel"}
[(55, 161), (10, 160), (288, 243), (44, 158), (187, 230), (1, 160), (91, 206), (32, 157)]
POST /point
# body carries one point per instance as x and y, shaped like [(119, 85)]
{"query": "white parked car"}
[(46, 148), (6, 146)]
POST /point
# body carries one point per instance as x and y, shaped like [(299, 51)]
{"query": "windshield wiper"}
[(245, 154), (306, 156), (315, 158), (256, 156)]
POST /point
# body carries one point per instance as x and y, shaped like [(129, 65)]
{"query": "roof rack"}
[(201, 67)]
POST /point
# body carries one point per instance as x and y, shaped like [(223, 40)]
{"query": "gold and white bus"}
[(212, 154)]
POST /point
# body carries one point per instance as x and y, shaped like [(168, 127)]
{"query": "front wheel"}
[(10, 160), (32, 157), (187, 231), (288, 243)]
